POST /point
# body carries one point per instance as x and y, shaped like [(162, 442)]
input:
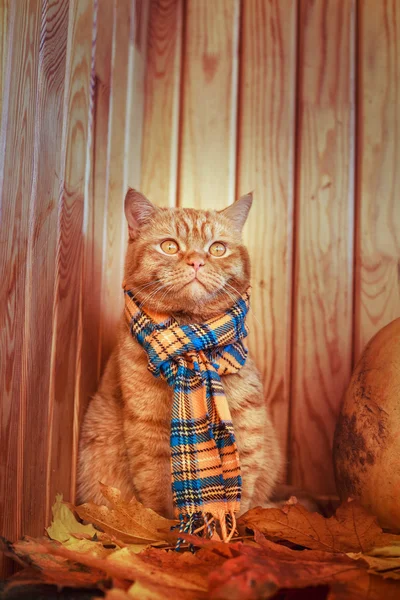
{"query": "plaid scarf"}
[(206, 481)]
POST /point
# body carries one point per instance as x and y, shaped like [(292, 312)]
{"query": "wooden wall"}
[(196, 102), (71, 89), (300, 102)]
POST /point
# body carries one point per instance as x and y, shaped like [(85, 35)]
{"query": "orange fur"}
[(125, 434)]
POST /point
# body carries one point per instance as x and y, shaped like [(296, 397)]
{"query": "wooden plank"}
[(162, 95), (322, 335), (114, 241), (66, 343), (266, 133), (136, 96), (94, 230), (16, 178), (4, 12), (40, 263), (210, 70), (95, 209), (377, 279)]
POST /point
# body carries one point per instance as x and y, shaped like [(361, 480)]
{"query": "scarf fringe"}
[(205, 525)]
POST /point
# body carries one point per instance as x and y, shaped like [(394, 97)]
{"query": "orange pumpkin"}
[(366, 447)]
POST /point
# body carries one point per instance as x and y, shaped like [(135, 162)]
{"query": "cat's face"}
[(185, 260)]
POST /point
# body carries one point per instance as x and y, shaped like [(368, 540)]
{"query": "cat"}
[(191, 264)]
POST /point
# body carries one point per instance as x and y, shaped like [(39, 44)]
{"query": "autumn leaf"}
[(260, 572), (168, 570), (382, 561), (32, 583), (116, 594), (364, 587), (53, 569), (351, 529), (384, 566), (130, 521), (250, 569), (65, 525)]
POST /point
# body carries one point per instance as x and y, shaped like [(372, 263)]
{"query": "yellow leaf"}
[(64, 524), (391, 551), (381, 562), (141, 591), (130, 521), (116, 594), (137, 548), (88, 547), (155, 591)]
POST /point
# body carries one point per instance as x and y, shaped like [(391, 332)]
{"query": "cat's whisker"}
[(161, 300), (252, 311), (223, 285), (137, 290), (151, 295)]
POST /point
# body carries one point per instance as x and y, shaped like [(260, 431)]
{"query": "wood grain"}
[(95, 208), (162, 96), (16, 179), (113, 248), (40, 262), (4, 12), (207, 162), (324, 237), (66, 342), (266, 137), (377, 277), (136, 96)]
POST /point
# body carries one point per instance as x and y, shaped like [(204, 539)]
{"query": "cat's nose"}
[(196, 263)]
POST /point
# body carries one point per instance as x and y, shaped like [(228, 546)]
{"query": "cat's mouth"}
[(193, 283)]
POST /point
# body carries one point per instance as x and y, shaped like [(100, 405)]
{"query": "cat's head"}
[(182, 260)]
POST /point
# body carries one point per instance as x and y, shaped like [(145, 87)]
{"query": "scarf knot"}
[(205, 468)]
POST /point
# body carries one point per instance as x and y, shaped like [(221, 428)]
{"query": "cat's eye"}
[(217, 249), (169, 247)]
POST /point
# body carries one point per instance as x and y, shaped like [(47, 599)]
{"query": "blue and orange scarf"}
[(206, 481)]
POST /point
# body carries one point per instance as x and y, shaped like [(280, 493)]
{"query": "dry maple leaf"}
[(351, 529), (154, 591), (53, 569), (384, 561), (260, 572), (167, 570), (364, 587), (129, 522), (381, 565)]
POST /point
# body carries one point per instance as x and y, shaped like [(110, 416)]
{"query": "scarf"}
[(205, 468)]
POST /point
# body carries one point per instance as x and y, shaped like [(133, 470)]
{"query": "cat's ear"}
[(138, 211), (239, 210)]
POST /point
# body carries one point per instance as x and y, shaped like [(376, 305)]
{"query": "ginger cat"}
[(191, 264)]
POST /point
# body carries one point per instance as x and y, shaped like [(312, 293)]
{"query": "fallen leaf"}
[(65, 525), (250, 569), (31, 583), (148, 591), (53, 569), (129, 521), (351, 529), (117, 595), (380, 565), (365, 587), (260, 572), (391, 551), (168, 570)]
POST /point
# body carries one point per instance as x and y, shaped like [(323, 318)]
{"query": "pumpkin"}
[(366, 446)]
